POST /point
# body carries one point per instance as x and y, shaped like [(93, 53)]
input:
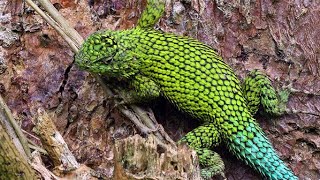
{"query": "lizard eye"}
[(107, 40)]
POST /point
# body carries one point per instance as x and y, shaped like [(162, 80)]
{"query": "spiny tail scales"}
[(251, 145)]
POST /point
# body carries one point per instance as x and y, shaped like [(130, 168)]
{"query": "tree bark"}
[(12, 164), (279, 37)]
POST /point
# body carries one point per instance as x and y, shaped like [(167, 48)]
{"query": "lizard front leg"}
[(142, 89), (151, 14)]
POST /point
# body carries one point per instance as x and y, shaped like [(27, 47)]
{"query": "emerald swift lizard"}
[(193, 77)]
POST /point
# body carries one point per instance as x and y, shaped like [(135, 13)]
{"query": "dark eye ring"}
[(107, 39)]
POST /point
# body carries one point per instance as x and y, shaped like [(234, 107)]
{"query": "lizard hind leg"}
[(258, 90), (201, 139)]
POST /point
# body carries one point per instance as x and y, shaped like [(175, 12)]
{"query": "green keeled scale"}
[(194, 78)]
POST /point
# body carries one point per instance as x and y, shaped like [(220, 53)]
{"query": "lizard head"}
[(105, 53)]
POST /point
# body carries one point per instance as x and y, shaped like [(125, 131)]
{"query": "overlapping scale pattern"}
[(193, 77), (151, 14), (257, 89)]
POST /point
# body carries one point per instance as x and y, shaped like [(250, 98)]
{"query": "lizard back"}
[(194, 78)]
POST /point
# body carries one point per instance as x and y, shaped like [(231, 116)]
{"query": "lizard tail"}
[(251, 145)]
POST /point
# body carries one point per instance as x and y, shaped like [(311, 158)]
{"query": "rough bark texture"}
[(279, 37), (52, 141), (12, 164), (145, 158)]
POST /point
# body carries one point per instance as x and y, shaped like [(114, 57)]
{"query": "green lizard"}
[(195, 79)]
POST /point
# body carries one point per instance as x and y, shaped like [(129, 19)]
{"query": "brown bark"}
[(278, 37), (146, 158)]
